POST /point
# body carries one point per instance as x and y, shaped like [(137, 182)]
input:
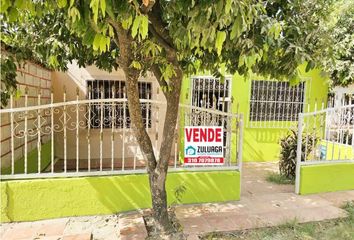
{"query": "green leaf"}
[(144, 26), (127, 22), (236, 27), (310, 65), (103, 7), (89, 37), (62, 3), (136, 65), (96, 42), (228, 6), (110, 31), (220, 38), (74, 14), (103, 43), (135, 26), (4, 5), (13, 14), (94, 7)]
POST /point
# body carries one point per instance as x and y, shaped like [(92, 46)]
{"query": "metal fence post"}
[(240, 142), (298, 153)]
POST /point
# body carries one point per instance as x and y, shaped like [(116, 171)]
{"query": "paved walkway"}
[(262, 204)]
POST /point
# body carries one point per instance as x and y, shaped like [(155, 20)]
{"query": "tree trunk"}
[(157, 169)]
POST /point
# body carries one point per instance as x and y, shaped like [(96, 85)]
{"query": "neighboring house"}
[(33, 79), (342, 96)]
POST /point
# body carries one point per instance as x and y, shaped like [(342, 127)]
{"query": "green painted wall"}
[(52, 198), (326, 178), (338, 151), (32, 161), (262, 144)]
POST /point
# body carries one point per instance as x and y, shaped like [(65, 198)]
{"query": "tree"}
[(170, 38), (341, 66)]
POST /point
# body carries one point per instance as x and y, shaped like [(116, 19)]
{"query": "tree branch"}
[(159, 29)]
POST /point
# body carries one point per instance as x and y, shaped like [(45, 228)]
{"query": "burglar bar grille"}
[(110, 89)]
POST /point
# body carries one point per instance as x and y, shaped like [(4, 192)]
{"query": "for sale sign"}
[(203, 145)]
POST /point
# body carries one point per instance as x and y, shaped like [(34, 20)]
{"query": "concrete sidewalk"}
[(262, 204)]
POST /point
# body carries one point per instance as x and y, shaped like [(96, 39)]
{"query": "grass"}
[(279, 179), (337, 229)]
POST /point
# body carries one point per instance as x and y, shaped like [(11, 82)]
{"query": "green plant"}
[(279, 179), (288, 152)]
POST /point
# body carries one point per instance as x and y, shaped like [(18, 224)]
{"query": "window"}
[(276, 101), (209, 92), (103, 89)]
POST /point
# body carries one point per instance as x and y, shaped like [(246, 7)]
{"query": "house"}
[(269, 107), (85, 161)]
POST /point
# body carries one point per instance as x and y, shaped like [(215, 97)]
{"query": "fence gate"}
[(327, 137), (212, 97)]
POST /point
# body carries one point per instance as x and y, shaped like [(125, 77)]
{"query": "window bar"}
[(280, 102), (275, 102), (64, 129), (52, 132), (283, 114), (249, 117), (12, 137), (262, 104), (199, 92), (124, 125), (257, 99), (39, 131), (292, 90), (204, 102), (89, 129), (26, 128), (268, 108), (101, 127), (113, 123), (296, 101)]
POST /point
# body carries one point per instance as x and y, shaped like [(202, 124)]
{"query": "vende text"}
[(203, 134)]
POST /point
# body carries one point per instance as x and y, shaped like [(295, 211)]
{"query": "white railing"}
[(95, 137), (327, 137)]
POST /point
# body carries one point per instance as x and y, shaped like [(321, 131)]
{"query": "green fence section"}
[(328, 177), (31, 200), (32, 161)]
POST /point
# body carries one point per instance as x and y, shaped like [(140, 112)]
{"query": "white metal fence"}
[(326, 137), (95, 137)]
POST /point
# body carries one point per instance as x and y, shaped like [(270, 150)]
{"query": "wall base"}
[(326, 178), (29, 200)]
